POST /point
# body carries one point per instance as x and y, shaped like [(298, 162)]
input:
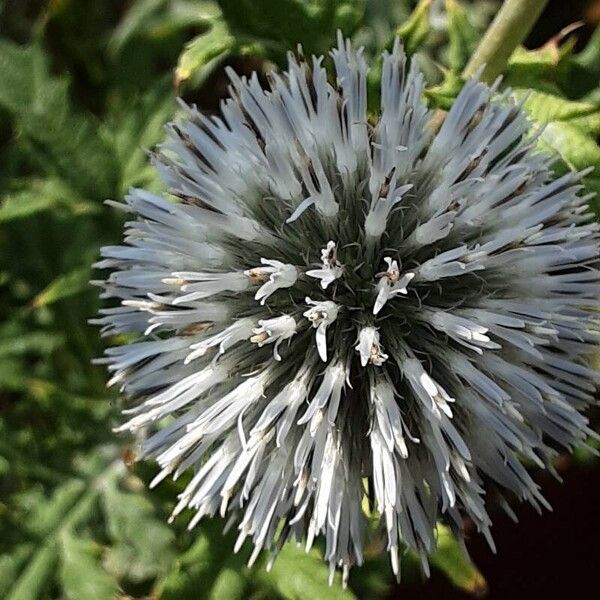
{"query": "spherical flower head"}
[(332, 308)]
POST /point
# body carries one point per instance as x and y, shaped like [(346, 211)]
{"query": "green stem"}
[(507, 31)]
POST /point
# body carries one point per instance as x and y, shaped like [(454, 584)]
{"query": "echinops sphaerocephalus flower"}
[(330, 308)]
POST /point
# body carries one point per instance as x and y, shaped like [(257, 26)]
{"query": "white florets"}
[(331, 310), (331, 269)]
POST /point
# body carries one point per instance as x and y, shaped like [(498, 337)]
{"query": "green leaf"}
[(570, 131), (374, 578), (590, 56), (23, 205), (266, 29), (415, 29), (66, 285), (451, 559), (543, 69), (208, 564), (80, 572), (17, 75), (10, 564), (443, 95), (230, 584), (286, 23), (128, 514), (583, 75), (135, 126), (463, 36), (48, 514), (587, 455), (35, 578), (348, 15), (16, 342), (545, 108), (134, 21), (159, 18), (204, 53), (70, 503), (41, 195), (64, 144), (189, 571), (12, 375), (576, 150), (297, 575)]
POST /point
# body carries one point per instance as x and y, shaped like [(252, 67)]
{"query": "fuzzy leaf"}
[(577, 149)]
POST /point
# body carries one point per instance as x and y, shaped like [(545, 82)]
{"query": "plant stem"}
[(507, 31)]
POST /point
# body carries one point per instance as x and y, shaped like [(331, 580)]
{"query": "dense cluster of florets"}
[(332, 309)]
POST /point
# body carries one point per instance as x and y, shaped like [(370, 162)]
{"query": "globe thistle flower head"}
[(332, 311)]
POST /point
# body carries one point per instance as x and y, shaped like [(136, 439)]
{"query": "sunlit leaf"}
[(577, 150), (542, 69), (545, 108), (203, 53), (450, 557)]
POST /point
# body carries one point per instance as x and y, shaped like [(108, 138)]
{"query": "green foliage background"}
[(85, 89)]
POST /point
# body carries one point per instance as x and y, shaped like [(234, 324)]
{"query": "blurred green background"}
[(85, 89)]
